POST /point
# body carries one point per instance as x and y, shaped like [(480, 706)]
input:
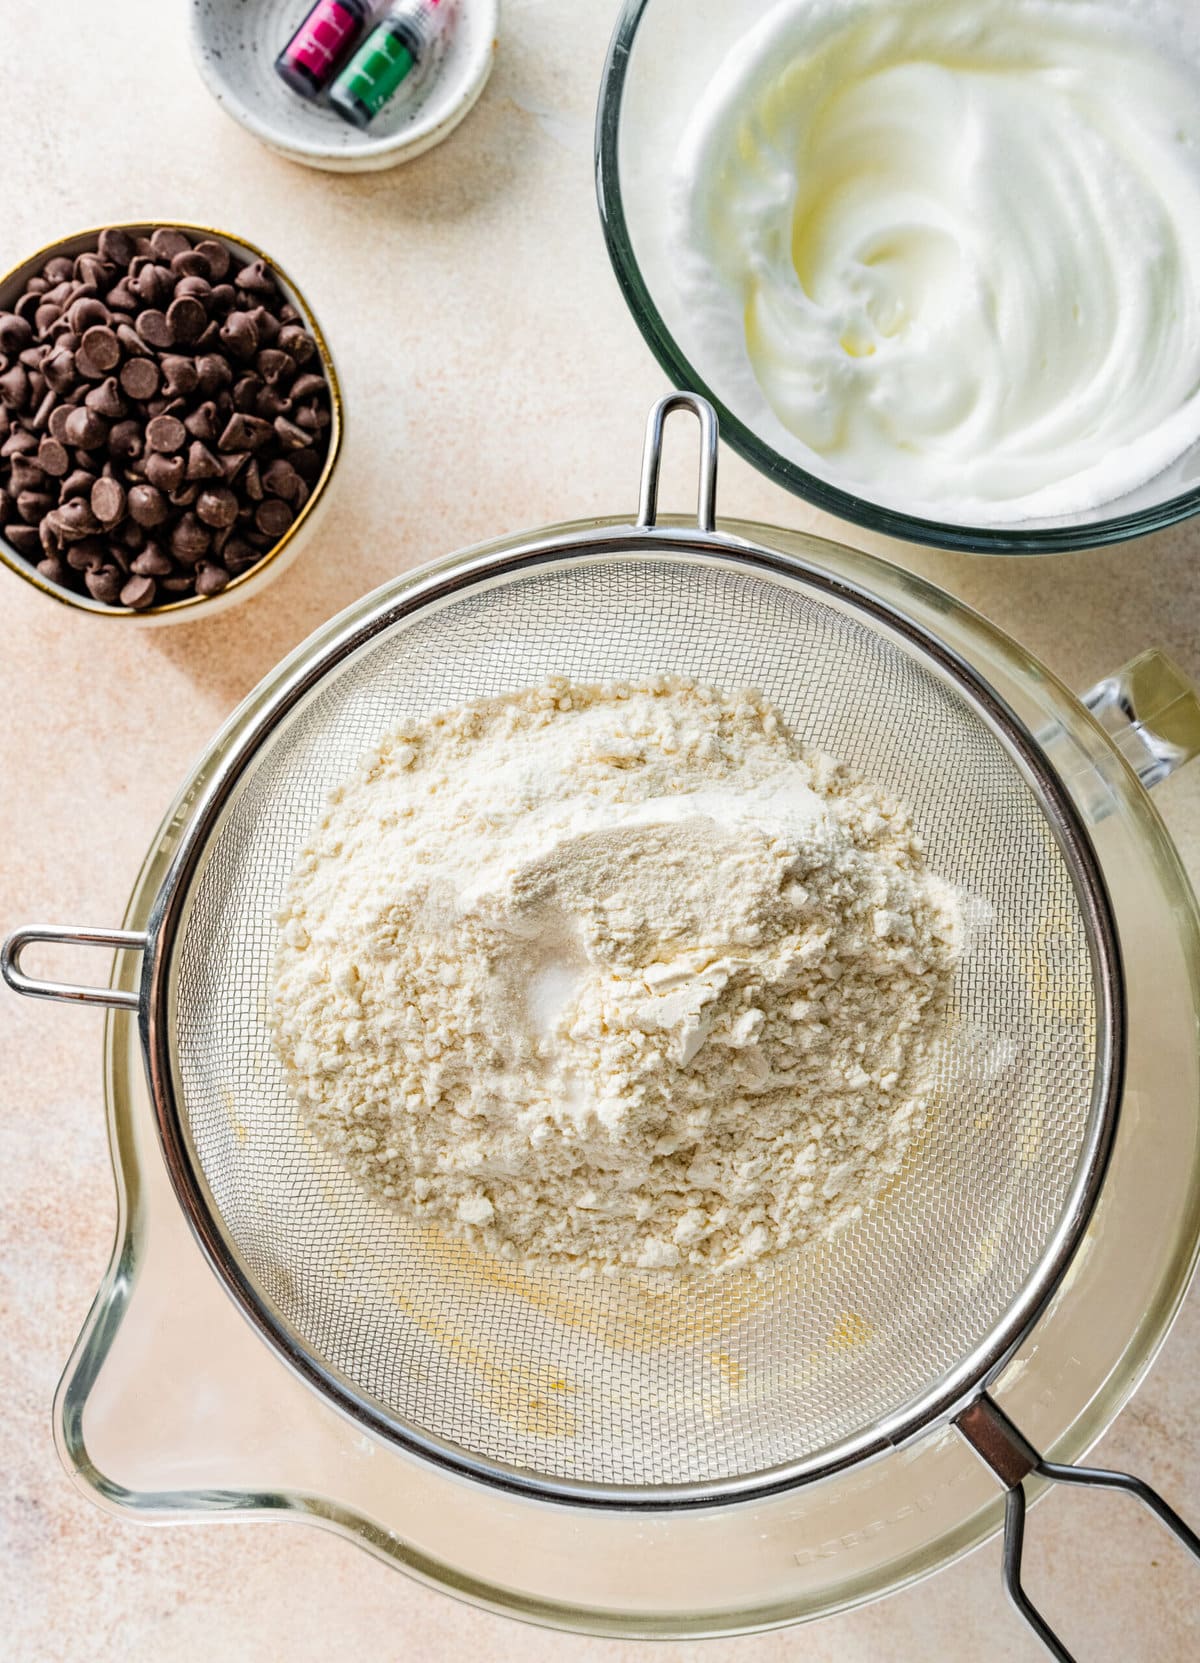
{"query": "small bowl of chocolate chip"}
[(170, 420)]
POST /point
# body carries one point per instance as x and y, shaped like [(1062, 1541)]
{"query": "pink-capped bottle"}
[(311, 58)]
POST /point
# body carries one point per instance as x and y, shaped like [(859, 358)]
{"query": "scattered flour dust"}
[(615, 975)]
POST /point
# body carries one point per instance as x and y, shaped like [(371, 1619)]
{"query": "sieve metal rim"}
[(962, 1386)]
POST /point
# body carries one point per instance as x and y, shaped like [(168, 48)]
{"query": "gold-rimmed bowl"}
[(303, 526)]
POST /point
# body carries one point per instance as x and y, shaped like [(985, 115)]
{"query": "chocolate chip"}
[(202, 422), (104, 584), (283, 481), (92, 271), (201, 463), (252, 481), (165, 434), (239, 334), (15, 333), (199, 288), (180, 376), (87, 555), (78, 483), (132, 344), (106, 399), (58, 268), (59, 368), (270, 402), (125, 442), (244, 432), (99, 351), (223, 297), (273, 517), (245, 392), (14, 387), (152, 562), (138, 592), (47, 407), (147, 505), (33, 505), (121, 298), (140, 378), (217, 506), (87, 313), (291, 436), (25, 474), (211, 578), (181, 585), (75, 519), (85, 429), (167, 242), (53, 567), (165, 472), (108, 501), (46, 315), (298, 342), (233, 463), (24, 539), (153, 327), (275, 366), (116, 246), (186, 319), (214, 373), (216, 255), (189, 262), (189, 539), (53, 459)]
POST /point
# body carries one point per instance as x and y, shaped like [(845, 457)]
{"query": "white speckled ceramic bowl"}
[(236, 44), (301, 529)]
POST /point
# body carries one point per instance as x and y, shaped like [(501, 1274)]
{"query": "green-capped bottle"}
[(397, 49)]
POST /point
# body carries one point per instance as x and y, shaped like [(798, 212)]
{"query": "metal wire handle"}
[(114, 997), (1011, 1457), (706, 500)]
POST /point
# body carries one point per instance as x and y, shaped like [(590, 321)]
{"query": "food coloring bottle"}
[(310, 59), (400, 44)]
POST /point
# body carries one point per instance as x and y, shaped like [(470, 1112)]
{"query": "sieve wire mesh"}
[(638, 1381)]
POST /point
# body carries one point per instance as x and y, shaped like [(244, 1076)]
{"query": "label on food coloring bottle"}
[(323, 37)]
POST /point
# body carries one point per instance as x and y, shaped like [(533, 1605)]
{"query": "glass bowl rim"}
[(843, 505)]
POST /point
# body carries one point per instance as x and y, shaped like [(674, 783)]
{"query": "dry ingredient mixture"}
[(615, 975)]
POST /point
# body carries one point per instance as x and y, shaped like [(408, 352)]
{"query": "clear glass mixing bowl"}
[(172, 1408), (662, 57)]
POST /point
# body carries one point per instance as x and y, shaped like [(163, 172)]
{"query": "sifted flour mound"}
[(614, 975)]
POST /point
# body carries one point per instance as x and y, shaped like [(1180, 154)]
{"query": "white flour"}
[(615, 975)]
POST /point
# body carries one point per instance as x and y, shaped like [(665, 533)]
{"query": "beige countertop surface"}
[(493, 381)]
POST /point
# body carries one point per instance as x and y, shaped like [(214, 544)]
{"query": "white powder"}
[(615, 975)]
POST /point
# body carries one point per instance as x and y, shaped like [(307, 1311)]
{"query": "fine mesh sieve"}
[(639, 1382), (634, 1391)]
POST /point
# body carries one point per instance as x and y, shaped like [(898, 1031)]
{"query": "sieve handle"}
[(1151, 712), (706, 499), (1011, 1457), (115, 998)]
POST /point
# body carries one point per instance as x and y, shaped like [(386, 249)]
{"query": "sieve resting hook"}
[(1011, 1457), (33, 987), (706, 500)]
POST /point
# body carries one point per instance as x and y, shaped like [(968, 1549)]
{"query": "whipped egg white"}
[(947, 252)]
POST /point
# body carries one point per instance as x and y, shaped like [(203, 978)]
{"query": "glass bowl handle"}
[(71, 992), (1011, 1458), (1151, 713)]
